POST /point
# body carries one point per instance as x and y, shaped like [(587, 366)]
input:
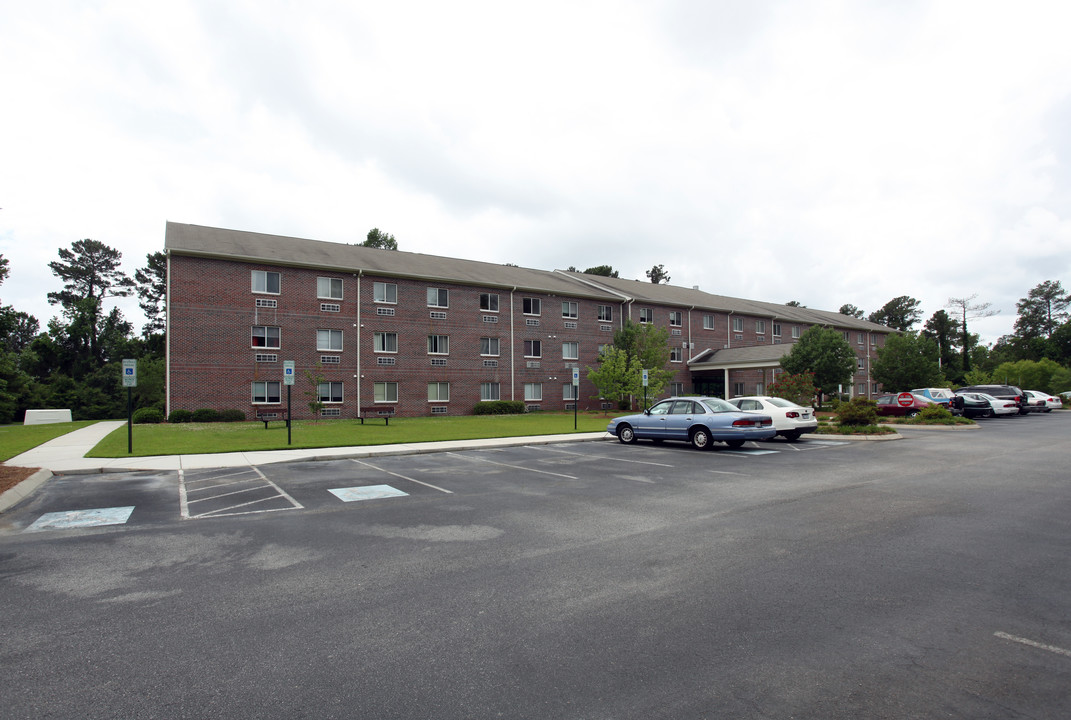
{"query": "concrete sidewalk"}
[(66, 454)]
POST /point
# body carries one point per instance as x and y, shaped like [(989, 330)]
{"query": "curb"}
[(887, 437), (13, 496)]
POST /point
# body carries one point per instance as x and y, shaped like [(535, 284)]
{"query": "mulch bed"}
[(12, 476)]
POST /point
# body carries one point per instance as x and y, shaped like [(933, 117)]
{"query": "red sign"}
[(905, 400)]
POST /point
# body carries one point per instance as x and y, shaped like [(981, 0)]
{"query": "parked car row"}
[(970, 401), (703, 420)]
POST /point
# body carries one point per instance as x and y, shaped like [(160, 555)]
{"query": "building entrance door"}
[(709, 386)]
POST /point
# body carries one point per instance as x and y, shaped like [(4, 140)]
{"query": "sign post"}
[(288, 380), (904, 399), (576, 394), (130, 381), (645, 380)]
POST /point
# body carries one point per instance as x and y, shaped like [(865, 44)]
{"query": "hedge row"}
[(152, 415), (500, 407)]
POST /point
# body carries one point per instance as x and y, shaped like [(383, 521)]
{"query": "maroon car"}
[(902, 405)]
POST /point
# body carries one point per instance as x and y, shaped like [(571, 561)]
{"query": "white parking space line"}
[(598, 457), (403, 477), (72, 519), (1033, 644), (726, 472), (203, 492), (751, 452), (515, 467)]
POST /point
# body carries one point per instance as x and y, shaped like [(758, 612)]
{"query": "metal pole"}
[(129, 422), (289, 415)]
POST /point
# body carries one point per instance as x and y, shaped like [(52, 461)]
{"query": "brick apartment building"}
[(426, 335)]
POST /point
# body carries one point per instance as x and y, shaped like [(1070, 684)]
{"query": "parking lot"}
[(925, 577)]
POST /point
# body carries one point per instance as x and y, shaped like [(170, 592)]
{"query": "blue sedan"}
[(700, 421)]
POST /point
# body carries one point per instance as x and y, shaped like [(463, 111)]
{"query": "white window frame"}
[(380, 342), (438, 297), (438, 392), (606, 313), (328, 284), (738, 324), (490, 391), (570, 309), (265, 396), (266, 346), (533, 348), (708, 322), (570, 392), (646, 316), (760, 327), (330, 336), (490, 346), (676, 354), (385, 293), (777, 329), (795, 332), (330, 396), (489, 302), (385, 392), (570, 345), (676, 318), (438, 344), (532, 306), (533, 392), (264, 286)]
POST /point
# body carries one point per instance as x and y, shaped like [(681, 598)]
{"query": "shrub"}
[(180, 416), (232, 415), (934, 412), (858, 411), (499, 407), (144, 416), (205, 415)]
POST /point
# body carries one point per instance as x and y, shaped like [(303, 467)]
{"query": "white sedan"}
[(789, 419), (1000, 407), (1045, 402)]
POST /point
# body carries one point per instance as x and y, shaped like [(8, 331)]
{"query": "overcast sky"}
[(824, 152)]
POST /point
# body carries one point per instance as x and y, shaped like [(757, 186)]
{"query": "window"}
[(533, 392), (676, 388), (862, 389), (570, 309), (676, 354), (570, 351), (859, 339), (386, 342), (738, 324), (795, 332), (533, 348), (738, 388), (489, 302), (708, 322), (438, 297), (265, 282), (266, 392), (265, 337), (859, 363), (385, 292), (777, 329), (330, 392), (330, 288), (386, 392), (438, 344), (328, 339), (438, 392), (606, 313), (570, 392), (646, 315), (489, 346), (760, 327), (676, 318), (489, 391), (758, 389), (531, 306)]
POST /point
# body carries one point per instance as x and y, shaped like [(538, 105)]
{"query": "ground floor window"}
[(533, 392), (489, 391), (330, 392), (738, 389), (570, 392), (438, 392), (266, 392), (386, 392)]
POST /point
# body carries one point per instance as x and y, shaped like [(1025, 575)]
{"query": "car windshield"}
[(781, 402), (719, 405)]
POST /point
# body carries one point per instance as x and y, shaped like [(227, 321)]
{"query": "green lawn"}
[(16, 439), (196, 438)]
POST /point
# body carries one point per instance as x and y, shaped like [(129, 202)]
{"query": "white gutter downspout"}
[(358, 325), (512, 352), (167, 337)]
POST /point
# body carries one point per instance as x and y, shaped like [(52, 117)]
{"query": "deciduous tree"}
[(379, 239), (907, 361), (900, 313), (824, 352)]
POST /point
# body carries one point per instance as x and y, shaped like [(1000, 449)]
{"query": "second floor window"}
[(328, 339), (385, 292), (570, 310), (386, 342), (438, 297), (570, 351), (489, 302), (646, 315), (606, 313), (438, 344), (329, 288), (760, 327), (676, 318), (531, 306), (533, 348), (738, 324), (708, 322), (489, 346), (265, 337)]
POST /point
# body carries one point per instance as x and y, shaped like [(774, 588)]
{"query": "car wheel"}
[(911, 413), (792, 435), (988, 414), (701, 438), (626, 434), (735, 444)]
